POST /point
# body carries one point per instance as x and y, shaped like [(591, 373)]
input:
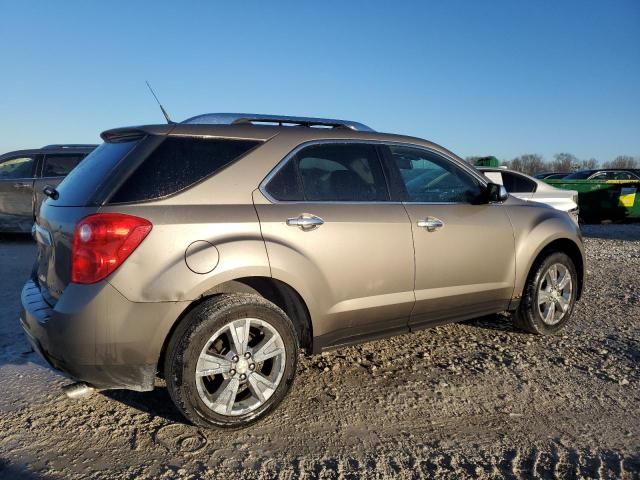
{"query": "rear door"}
[(464, 247), (331, 231), (16, 193)]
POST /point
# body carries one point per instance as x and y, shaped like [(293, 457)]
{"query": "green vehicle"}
[(604, 195)]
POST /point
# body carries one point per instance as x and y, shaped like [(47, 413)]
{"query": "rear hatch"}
[(133, 165), (80, 194)]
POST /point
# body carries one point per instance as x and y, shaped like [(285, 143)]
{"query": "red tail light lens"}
[(103, 241)]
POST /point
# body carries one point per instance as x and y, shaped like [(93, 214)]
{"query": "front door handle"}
[(431, 224), (22, 185), (305, 222)]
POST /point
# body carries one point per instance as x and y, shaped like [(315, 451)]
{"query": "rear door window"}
[(60, 165), (178, 163), (332, 172)]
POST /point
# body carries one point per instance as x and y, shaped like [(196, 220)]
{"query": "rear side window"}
[(623, 176), (60, 165), (517, 183), (178, 163), (332, 172), (80, 185)]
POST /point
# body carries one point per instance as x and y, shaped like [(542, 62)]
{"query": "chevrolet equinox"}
[(209, 252)]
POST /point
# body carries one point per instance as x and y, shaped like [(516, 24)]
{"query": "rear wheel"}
[(231, 361), (549, 295)]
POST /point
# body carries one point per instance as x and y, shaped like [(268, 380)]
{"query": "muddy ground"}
[(477, 399)]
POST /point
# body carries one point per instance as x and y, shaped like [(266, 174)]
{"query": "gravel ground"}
[(477, 399)]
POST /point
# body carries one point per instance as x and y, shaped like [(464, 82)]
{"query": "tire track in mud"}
[(551, 462)]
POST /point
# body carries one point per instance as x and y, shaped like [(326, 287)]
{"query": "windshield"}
[(78, 187)]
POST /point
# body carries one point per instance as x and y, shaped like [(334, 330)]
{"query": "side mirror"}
[(496, 193)]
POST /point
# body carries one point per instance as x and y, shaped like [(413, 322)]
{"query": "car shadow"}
[(614, 231), (156, 403), (496, 321), (8, 471), (15, 237)]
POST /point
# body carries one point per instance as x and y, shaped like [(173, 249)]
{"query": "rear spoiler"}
[(127, 134)]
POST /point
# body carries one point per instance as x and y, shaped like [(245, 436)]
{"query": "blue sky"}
[(480, 77)]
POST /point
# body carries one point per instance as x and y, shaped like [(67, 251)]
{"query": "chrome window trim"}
[(262, 187), (206, 136)]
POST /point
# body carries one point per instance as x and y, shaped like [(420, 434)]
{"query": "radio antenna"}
[(164, 112)]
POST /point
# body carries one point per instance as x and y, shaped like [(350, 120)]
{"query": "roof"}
[(619, 169), (251, 131), (494, 169), (50, 149)]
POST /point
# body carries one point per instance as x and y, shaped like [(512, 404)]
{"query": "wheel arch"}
[(563, 245), (280, 293)]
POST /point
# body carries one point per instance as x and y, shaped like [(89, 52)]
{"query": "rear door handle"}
[(431, 224), (22, 185), (305, 222)]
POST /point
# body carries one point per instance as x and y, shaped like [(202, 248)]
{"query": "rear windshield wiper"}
[(51, 192)]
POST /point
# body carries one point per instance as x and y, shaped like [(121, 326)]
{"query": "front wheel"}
[(549, 296), (231, 360)]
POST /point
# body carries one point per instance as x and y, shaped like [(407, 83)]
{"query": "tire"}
[(205, 342), (535, 317)]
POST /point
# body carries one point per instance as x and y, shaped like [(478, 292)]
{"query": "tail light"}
[(102, 242)]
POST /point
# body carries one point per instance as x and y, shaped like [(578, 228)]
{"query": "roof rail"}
[(69, 145), (282, 120)]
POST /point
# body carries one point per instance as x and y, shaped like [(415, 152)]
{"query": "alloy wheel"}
[(240, 367)]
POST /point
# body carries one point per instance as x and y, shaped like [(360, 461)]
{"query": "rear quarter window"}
[(517, 183), (178, 163)]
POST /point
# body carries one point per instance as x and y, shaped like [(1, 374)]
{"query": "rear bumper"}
[(95, 335)]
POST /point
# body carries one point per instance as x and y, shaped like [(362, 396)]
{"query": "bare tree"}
[(530, 163), (622, 161), (472, 160), (564, 162), (590, 164)]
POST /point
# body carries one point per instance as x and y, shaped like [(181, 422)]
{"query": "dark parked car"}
[(606, 174), (551, 175), (24, 173)]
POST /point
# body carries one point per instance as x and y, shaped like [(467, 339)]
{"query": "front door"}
[(16, 194), (332, 233), (464, 247)]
